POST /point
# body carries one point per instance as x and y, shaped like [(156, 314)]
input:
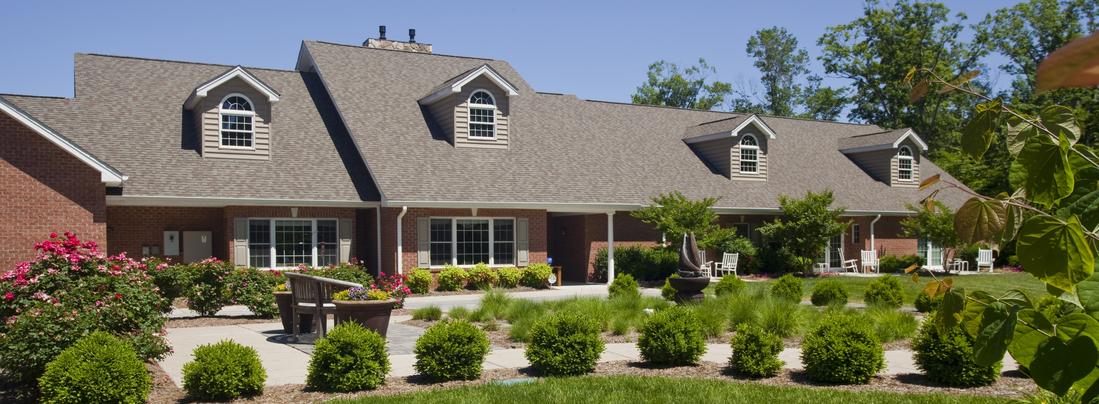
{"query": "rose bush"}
[(70, 290)]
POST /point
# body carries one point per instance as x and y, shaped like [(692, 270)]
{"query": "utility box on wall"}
[(171, 243)]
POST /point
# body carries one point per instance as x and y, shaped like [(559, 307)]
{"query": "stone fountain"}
[(692, 277)]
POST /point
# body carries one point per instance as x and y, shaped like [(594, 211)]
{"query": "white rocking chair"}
[(869, 260), (848, 264), (727, 265), (984, 259)]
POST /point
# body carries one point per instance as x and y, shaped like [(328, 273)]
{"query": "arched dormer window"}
[(904, 164), (749, 155), (236, 116), (482, 115)]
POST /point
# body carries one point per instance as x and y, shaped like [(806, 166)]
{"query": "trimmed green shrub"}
[(482, 277), (536, 276), (451, 350), (787, 287), (842, 350), (755, 352), (350, 358), (623, 285), (927, 304), (667, 291), (252, 288), (643, 263), (98, 368), (948, 359), (729, 285), (672, 337), (829, 292), (452, 278), (509, 277), (429, 313), (884, 291), (891, 264), (223, 371), (564, 344), (345, 272), (419, 281)]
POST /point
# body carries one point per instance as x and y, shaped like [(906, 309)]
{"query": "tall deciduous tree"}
[(782, 63), (667, 85)]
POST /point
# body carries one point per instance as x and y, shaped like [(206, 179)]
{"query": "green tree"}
[(667, 85), (675, 215), (805, 225), (822, 102), (782, 63), (875, 51), (933, 221)]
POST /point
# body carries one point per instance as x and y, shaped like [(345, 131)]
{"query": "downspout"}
[(872, 232), (400, 240), (378, 239)]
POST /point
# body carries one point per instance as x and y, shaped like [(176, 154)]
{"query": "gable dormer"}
[(232, 115), (892, 157), (735, 147), (473, 108)]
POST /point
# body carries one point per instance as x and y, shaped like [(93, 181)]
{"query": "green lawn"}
[(994, 284), (636, 389)]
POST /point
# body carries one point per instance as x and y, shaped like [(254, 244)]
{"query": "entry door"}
[(197, 246), (834, 259), (931, 253)]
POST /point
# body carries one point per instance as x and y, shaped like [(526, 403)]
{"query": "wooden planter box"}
[(372, 314), (285, 303)]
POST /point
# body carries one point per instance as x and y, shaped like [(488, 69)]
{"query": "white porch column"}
[(378, 238), (400, 241), (610, 247)]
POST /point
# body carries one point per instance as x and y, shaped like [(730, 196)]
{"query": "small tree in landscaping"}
[(675, 215), (933, 221), (805, 226)]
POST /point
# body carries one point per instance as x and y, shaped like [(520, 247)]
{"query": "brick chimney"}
[(410, 46)]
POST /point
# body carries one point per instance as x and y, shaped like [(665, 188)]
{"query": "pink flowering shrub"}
[(252, 287), (68, 291), (206, 285)]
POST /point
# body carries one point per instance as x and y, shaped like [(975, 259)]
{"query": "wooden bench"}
[(313, 295)]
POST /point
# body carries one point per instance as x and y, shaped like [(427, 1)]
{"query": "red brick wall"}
[(888, 237), (130, 227), (536, 231), (575, 240), (45, 189)]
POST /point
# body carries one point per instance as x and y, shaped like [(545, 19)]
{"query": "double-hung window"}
[(470, 241), (904, 164), (482, 115), (282, 243), (749, 155), (236, 115)]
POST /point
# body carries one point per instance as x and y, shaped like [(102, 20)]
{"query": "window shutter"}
[(423, 242), (346, 228), (240, 241), (522, 243)]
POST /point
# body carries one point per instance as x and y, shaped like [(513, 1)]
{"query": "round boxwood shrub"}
[(755, 352), (623, 285), (667, 291), (948, 359), (536, 276), (729, 285), (452, 278), (829, 292), (482, 277), (223, 371), (925, 303), (564, 344), (884, 291), (98, 368), (350, 358), (509, 277), (842, 350), (672, 337), (787, 287), (451, 350), (419, 281)]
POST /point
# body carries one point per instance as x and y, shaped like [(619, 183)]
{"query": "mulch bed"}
[(1012, 385)]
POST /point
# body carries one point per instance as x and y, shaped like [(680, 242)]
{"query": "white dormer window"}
[(749, 155), (482, 115), (236, 114), (904, 164)]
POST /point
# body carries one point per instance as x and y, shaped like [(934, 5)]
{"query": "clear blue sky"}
[(594, 49)]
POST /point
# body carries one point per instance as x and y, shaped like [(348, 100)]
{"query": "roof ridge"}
[(816, 120), (188, 62), (394, 50), (55, 97), (876, 133), (658, 106), (722, 119)]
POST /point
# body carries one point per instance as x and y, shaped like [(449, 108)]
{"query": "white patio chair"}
[(869, 260), (707, 266), (727, 264), (848, 264), (984, 259), (959, 265)]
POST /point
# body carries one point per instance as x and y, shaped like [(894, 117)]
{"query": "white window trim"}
[(251, 114), (271, 249), (491, 240), (470, 106), (911, 164), (749, 147)]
